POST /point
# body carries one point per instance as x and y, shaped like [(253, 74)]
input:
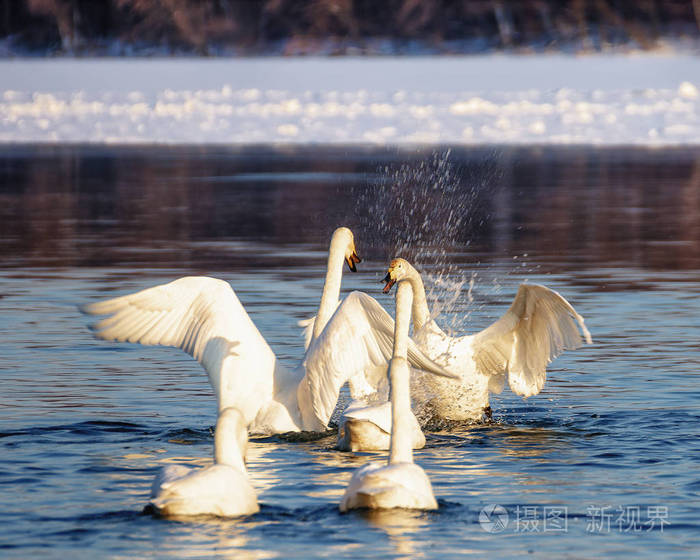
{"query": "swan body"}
[(204, 317), (382, 486), (537, 327), (367, 427), (221, 489), (400, 483)]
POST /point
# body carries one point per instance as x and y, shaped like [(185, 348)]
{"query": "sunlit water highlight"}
[(84, 424)]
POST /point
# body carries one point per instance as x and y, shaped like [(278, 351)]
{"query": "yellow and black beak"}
[(389, 283), (352, 260)]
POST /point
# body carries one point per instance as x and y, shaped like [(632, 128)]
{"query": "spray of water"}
[(429, 210), (426, 210)]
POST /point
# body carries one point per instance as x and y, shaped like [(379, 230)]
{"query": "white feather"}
[(204, 317), (358, 338), (222, 488), (399, 483), (539, 325)]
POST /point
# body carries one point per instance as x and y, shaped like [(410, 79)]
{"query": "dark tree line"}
[(339, 26)]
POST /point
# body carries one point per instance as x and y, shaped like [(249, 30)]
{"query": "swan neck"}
[(401, 448), (421, 313), (331, 287), (404, 300), (230, 439)]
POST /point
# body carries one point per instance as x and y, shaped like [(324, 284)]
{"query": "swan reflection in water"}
[(404, 527), (207, 536), (446, 458)]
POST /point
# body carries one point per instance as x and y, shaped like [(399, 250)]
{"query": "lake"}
[(603, 462)]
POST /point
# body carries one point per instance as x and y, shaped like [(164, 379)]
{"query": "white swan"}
[(204, 317), (367, 427), (400, 483), (539, 325), (221, 489)]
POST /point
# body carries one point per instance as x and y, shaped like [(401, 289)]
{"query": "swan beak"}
[(351, 260), (389, 283)]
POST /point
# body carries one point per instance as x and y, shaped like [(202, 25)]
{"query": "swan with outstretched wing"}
[(204, 317), (538, 326)]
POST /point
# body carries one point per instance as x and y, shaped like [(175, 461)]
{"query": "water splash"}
[(419, 210), (428, 211)]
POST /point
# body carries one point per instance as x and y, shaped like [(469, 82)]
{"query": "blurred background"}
[(341, 27)]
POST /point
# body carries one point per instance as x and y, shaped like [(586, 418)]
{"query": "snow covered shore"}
[(599, 99)]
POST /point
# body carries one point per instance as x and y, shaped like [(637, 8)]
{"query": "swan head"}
[(399, 269), (344, 238)]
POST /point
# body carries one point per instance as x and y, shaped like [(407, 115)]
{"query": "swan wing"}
[(537, 327), (202, 316), (307, 326), (358, 337)]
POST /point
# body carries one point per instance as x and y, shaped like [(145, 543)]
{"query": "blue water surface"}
[(603, 462)]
